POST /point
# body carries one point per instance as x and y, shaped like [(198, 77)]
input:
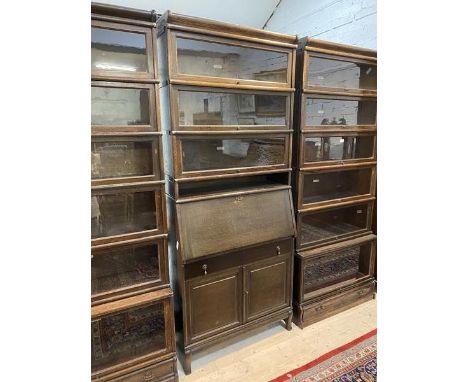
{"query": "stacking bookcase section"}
[(227, 96), (334, 178), (132, 324)]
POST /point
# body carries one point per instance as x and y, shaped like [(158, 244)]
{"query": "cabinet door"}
[(267, 286), (214, 303)]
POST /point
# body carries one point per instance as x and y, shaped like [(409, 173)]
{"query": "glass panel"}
[(218, 153), (332, 224), (319, 187), (121, 159), (119, 106), (317, 149), (120, 268), (116, 214), (119, 51), (121, 337), (214, 108), (340, 112), (335, 267), (211, 59), (328, 73)]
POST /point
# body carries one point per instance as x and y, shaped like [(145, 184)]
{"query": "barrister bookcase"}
[(132, 321), (334, 178), (227, 99)]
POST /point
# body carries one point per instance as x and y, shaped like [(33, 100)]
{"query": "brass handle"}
[(205, 267), (278, 250)]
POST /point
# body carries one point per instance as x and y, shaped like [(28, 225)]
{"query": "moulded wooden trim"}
[(130, 242), (240, 86), (337, 203), (130, 302), (174, 20), (133, 14), (235, 175), (336, 246), (230, 132), (225, 194)]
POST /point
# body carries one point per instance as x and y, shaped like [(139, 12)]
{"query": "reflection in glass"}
[(115, 214), (332, 223), (328, 73), (339, 112), (319, 187), (216, 153), (119, 51), (121, 159), (216, 108), (120, 268), (119, 106), (211, 59), (123, 336), (317, 149)]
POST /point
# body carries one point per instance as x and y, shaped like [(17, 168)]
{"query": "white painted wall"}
[(253, 13), (345, 21)]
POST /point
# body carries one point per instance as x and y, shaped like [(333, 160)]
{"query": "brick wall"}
[(345, 21)]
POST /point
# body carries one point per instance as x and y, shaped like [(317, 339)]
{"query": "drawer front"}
[(338, 303), (155, 373), (215, 59), (238, 258), (118, 213)]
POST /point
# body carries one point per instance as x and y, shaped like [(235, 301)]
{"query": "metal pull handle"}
[(278, 250), (205, 267)]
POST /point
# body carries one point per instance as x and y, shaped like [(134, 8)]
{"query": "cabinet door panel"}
[(214, 303), (267, 286)]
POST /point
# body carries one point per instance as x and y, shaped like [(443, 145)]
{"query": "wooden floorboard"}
[(269, 352)]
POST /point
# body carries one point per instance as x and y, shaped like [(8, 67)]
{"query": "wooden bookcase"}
[(334, 178), (227, 97), (132, 320)]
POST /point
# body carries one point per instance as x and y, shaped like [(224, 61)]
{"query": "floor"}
[(269, 352)]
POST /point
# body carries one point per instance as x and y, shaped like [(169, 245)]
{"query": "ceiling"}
[(252, 13)]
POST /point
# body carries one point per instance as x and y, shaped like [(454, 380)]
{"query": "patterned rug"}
[(354, 362)]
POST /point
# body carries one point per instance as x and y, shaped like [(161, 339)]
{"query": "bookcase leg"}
[(187, 362), (289, 321)]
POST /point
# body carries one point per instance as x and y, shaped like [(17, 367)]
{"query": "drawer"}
[(198, 108), (335, 304), (238, 258), (207, 58), (320, 149), (155, 373), (120, 270), (120, 51), (119, 213), (326, 225)]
